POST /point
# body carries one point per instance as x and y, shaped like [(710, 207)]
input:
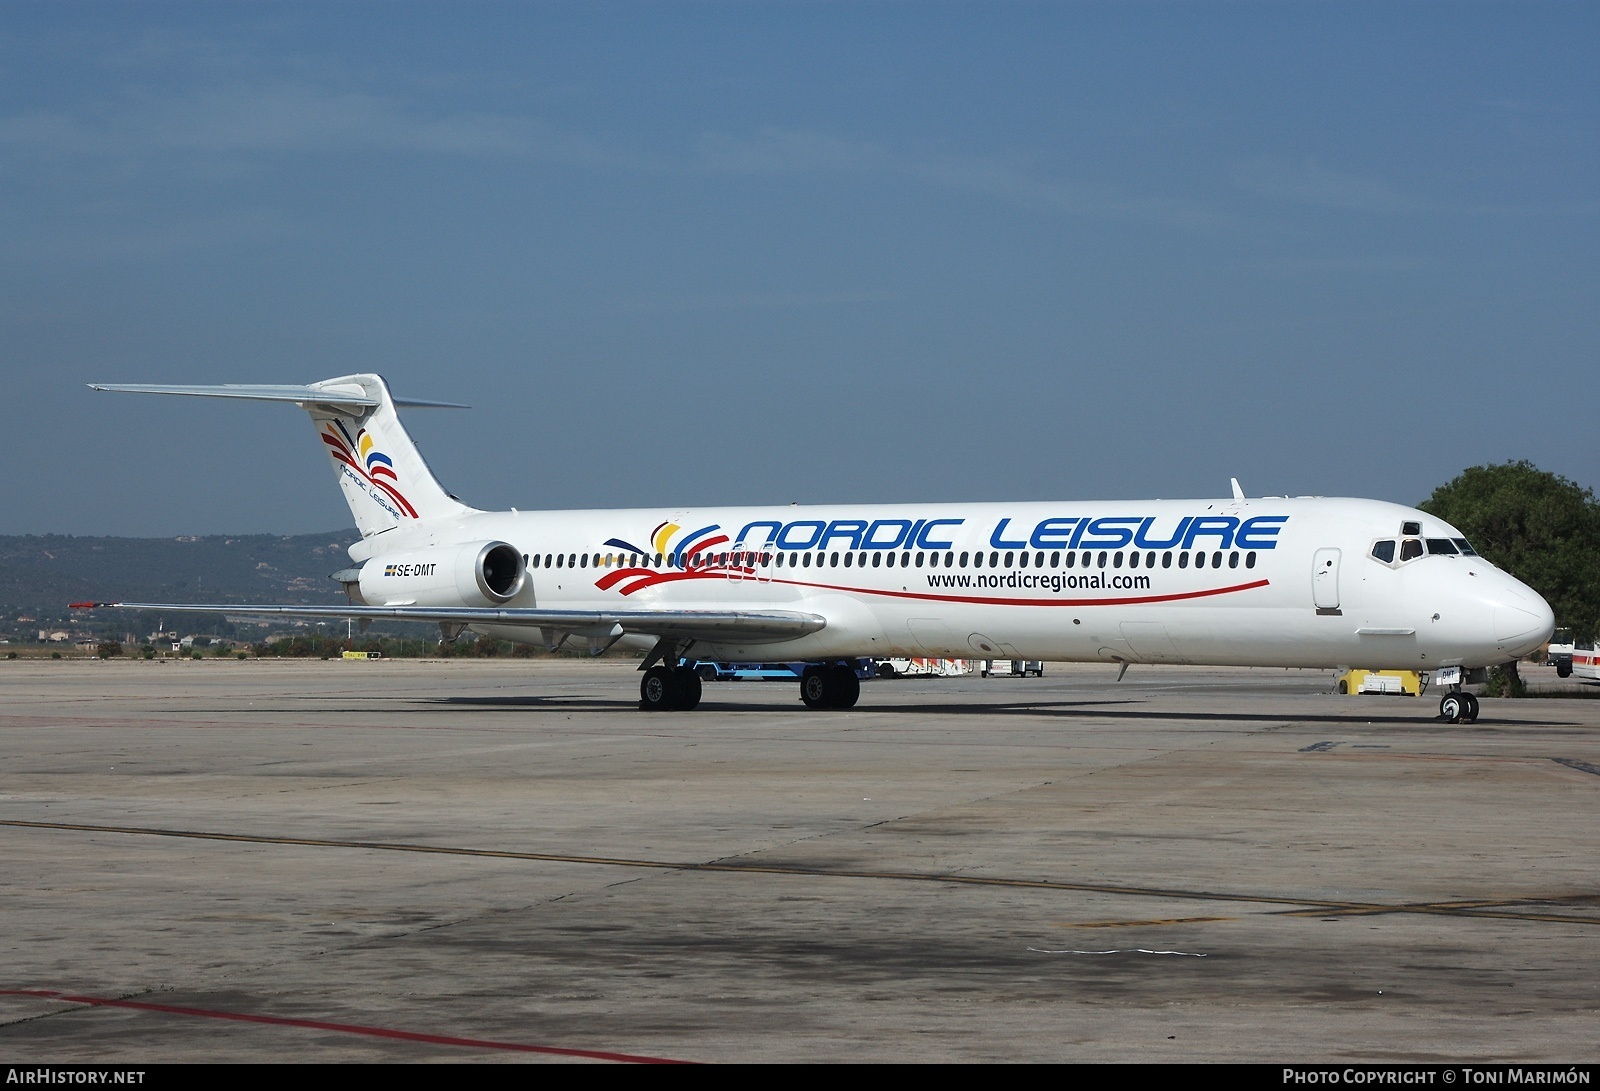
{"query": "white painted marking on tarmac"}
[(1120, 951)]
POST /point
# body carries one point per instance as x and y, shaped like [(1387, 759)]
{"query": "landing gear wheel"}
[(1470, 715), (846, 686), (814, 688), (1452, 706), (1563, 670), (658, 690), (688, 689)]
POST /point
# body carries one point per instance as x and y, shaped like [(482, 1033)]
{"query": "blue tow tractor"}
[(822, 685)]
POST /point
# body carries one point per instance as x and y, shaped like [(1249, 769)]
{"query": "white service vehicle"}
[(1017, 668), (922, 667), (1234, 581)]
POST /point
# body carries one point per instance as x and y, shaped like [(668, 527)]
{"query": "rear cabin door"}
[(1325, 579)]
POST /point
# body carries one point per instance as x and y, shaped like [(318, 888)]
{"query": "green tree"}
[(1540, 527)]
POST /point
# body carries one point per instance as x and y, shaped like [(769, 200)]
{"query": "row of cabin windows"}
[(1412, 548), (888, 559)]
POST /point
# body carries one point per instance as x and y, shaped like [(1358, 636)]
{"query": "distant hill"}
[(41, 574)]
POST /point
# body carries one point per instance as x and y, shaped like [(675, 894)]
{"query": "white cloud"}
[(781, 151), (1308, 182), (285, 117)]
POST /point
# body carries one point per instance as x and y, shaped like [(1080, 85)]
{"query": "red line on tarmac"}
[(342, 1028)]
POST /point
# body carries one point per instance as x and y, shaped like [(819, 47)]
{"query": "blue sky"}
[(698, 253)]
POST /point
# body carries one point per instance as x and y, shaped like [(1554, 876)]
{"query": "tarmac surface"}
[(505, 860)]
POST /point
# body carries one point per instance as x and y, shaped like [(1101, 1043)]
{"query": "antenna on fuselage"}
[(1238, 493)]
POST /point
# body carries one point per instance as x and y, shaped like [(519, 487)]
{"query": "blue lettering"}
[(902, 531), (1052, 533), (1220, 526), (744, 535), (998, 542), (843, 528), (1143, 541), (1115, 536), (1250, 528), (922, 537), (816, 528)]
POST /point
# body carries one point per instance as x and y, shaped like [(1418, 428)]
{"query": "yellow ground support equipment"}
[(1398, 683)]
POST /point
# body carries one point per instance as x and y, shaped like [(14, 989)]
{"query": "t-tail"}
[(385, 479)]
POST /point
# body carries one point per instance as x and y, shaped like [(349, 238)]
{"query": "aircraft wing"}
[(754, 626)]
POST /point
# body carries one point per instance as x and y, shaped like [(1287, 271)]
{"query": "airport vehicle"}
[(1559, 653), (921, 667), (1582, 661), (1014, 668), (1394, 683), (765, 672), (1271, 581)]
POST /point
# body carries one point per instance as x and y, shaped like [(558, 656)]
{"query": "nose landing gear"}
[(1458, 708)]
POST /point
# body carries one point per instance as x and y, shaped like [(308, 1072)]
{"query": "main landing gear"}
[(669, 689), (1458, 708), (831, 685)]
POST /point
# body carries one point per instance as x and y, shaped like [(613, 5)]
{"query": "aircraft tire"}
[(688, 695), (1452, 708), (814, 688), (1470, 715), (1563, 670), (845, 685), (658, 690)]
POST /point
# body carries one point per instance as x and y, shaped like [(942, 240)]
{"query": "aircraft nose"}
[(1522, 620)]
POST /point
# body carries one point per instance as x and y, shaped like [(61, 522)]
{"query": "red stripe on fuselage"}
[(650, 578)]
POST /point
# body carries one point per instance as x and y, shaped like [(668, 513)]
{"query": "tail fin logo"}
[(361, 457)]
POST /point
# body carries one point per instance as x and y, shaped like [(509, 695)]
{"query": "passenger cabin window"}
[(1410, 549), (1384, 551), (1442, 545)]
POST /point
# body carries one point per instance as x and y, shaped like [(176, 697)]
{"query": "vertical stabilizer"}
[(385, 479)]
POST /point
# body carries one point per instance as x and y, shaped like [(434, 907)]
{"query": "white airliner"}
[(1273, 581)]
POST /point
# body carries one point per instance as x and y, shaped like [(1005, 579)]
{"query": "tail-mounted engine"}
[(475, 574)]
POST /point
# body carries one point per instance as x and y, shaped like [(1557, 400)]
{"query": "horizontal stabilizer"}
[(709, 625), (300, 395)]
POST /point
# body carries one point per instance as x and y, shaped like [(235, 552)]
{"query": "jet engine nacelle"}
[(474, 574)]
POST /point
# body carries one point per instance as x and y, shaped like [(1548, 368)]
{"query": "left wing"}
[(755, 627)]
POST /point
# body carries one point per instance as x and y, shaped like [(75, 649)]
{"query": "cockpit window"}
[(1410, 549), (1441, 545), (1384, 550), (1461, 544)]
